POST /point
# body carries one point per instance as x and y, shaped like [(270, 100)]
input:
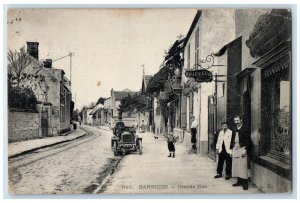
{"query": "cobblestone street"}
[(71, 169)]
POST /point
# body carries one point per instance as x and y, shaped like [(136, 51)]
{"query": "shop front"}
[(272, 165)]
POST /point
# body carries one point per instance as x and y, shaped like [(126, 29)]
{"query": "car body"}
[(126, 141)]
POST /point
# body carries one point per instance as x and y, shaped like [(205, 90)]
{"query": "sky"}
[(110, 46)]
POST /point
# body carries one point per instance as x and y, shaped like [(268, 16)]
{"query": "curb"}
[(45, 146)]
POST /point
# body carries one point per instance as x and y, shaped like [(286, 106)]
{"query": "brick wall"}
[(22, 126)]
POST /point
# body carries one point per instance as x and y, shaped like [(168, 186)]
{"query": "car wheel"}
[(140, 147), (115, 148)]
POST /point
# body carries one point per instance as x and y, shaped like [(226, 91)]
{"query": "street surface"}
[(154, 172), (69, 168), (87, 165)]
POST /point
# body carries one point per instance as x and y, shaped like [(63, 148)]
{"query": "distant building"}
[(96, 115), (116, 97), (107, 112)]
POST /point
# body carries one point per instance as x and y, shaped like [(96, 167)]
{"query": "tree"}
[(269, 30), (137, 102), (18, 77), (18, 61), (101, 100), (21, 98), (157, 82)]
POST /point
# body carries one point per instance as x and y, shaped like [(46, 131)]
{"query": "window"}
[(188, 57), (197, 46), (277, 113)]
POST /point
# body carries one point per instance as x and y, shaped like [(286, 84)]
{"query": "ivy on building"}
[(157, 82), (269, 30)]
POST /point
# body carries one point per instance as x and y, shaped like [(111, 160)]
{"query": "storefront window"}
[(278, 112), (281, 136)]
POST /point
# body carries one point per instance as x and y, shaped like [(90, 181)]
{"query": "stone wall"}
[(268, 181), (23, 126)]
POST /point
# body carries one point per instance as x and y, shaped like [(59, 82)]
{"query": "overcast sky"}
[(110, 46)]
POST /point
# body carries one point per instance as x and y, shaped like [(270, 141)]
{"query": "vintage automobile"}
[(126, 141)]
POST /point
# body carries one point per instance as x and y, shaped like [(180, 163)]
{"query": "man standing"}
[(224, 151), (240, 145), (119, 127), (194, 132)]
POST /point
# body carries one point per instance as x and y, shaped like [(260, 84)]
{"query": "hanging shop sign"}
[(200, 75), (199, 71)]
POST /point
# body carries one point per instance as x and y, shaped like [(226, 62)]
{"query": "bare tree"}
[(18, 61)]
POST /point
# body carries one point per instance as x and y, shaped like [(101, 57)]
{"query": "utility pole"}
[(69, 55)]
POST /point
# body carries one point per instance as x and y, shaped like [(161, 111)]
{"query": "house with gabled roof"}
[(52, 90)]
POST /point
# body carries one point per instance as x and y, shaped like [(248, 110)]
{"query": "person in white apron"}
[(240, 145), (224, 152)]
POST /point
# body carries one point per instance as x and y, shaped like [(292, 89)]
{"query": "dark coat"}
[(244, 138), (119, 127)]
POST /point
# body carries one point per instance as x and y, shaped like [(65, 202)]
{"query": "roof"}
[(121, 94), (147, 79), (126, 90), (40, 64), (98, 107), (222, 51), (193, 25)]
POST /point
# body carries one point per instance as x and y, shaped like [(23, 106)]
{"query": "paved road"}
[(70, 168), (154, 172), (87, 165)]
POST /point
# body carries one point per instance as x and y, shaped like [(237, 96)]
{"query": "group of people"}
[(233, 147)]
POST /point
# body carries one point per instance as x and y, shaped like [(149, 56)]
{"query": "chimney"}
[(112, 92), (48, 63), (33, 49)]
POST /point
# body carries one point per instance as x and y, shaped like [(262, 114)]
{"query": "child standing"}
[(171, 146)]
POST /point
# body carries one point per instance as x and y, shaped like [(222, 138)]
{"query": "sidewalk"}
[(101, 127), (185, 174), (18, 148)]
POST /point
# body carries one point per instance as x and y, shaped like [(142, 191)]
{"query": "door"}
[(44, 123), (247, 109), (211, 128)]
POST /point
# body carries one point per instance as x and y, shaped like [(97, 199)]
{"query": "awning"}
[(270, 71)]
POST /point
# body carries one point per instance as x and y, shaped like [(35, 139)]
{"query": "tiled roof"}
[(147, 79), (120, 94)]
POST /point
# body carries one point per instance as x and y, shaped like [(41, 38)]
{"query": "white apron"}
[(239, 163)]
